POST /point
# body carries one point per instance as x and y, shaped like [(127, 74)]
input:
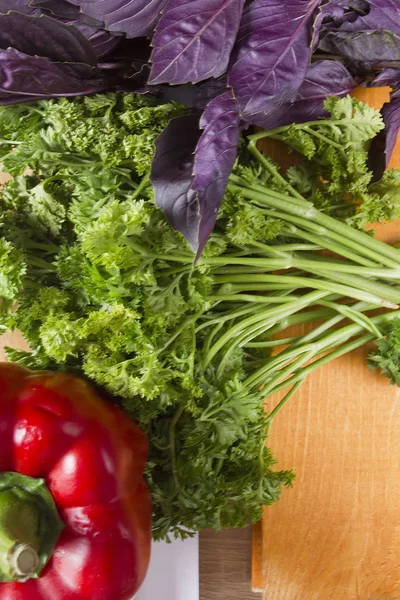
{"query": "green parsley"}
[(99, 284)]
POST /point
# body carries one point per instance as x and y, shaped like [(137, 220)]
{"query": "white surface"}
[(173, 573)]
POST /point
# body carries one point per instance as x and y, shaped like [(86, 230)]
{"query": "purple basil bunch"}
[(234, 62)]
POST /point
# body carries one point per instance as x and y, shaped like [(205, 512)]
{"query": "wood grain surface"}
[(225, 565), (336, 534)]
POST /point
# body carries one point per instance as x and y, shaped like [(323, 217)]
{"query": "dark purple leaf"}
[(130, 59), (196, 97), (184, 94), (391, 116), (194, 39), (68, 13), (103, 42), (209, 90), (272, 53), (190, 187), (44, 36), (361, 7), (19, 79), (341, 11), (377, 46), (135, 18), (335, 11), (132, 49), (22, 6), (390, 77), (214, 159), (172, 176), (61, 8), (381, 14), (383, 144), (324, 78), (360, 15)]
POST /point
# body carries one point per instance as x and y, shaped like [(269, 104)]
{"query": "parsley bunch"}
[(98, 283)]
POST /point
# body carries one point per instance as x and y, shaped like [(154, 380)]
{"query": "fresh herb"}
[(235, 62), (99, 284)]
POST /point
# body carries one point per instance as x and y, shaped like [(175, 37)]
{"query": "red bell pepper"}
[(75, 512)]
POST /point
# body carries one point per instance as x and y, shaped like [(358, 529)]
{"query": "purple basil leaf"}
[(377, 47), (272, 53), (391, 115), (130, 59), (189, 180), (132, 49), (135, 18), (194, 96), (184, 94), (214, 159), (60, 8), (22, 6), (103, 42), (361, 15), (382, 14), (44, 36), (324, 78), (383, 144), (209, 90), (355, 15), (387, 77), (19, 81), (172, 176), (194, 39), (342, 11), (330, 11)]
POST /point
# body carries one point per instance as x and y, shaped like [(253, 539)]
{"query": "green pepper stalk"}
[(29, 526)]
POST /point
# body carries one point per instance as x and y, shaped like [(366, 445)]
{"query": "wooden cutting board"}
[(336, 534)]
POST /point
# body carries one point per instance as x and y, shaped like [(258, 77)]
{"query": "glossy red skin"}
[(92, 456)]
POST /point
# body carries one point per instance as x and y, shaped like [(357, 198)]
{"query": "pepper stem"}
[(24, 560), (29, 526)]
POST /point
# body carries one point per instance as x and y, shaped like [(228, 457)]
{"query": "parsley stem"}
[(307, 349), (283, 249), (41, 264), (304, 282), (312, 214), (328, 244), (291, 261), (262, 189), (329, 323), (233, 314), (390, 294), (299, 376), (282, 403), (355, 315), (172, 449), (273, 343), (260, 299), (273, 170), (339, 239), (329, 122), (330, 341), (266, 316), (322, 137), (142, 186), (12, 142), (303, 317), (285, 371)]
